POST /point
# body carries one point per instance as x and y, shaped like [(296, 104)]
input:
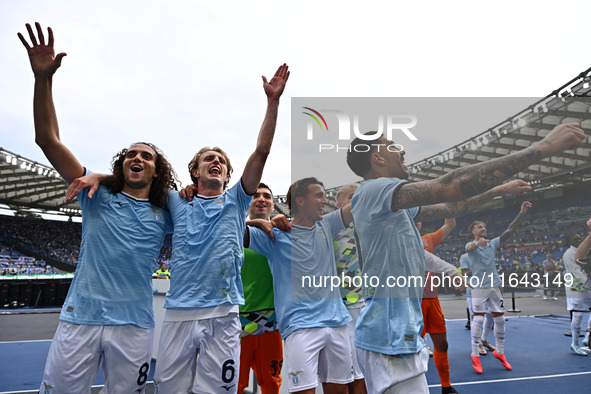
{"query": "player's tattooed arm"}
[(459, 208), (516, 222), (475, 179)]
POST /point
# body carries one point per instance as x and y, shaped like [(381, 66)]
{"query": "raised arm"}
[(475, 179), (584, 247), (454, 209), (45, 63), (448, 226), (253, 170), (516, 222), (346, 215)]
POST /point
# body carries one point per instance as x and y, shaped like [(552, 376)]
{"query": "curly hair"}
[(165, 181), (194, 163)]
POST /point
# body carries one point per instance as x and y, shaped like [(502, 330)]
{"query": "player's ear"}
[(377, 158), (299, 201)]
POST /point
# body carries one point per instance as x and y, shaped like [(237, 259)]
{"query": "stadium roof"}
[(28, 185), (571, 103)]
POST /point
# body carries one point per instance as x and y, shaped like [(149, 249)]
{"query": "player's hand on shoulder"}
[(188, 192), (89, 181), (281, 222), (264, 225)]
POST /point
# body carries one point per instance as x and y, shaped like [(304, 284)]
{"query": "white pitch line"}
[(37, 391), (562, 375), (36, 340)]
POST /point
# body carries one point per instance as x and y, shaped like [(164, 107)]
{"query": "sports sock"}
[(442, 365), (499, 331), (476, 332), (488, 324), (575, 326)]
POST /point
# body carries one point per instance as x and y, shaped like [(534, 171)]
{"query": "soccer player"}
[(384, 208), (312, 318), (348, 266), (578, 295), (261, 347), (107, 315), (488, 318), (550, 267), (433, 320), (487, 295), (199, 348)]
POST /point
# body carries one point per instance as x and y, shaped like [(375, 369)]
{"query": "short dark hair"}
[(568, 239), (474, 223), (299, 189), (264, 186), (359, 161)]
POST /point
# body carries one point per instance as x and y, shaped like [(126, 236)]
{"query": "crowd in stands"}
[(54, 239), (13, 262), (542, 231), (57, 240)]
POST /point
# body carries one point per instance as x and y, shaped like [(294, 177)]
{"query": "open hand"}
[(274, 88), (43, 60)]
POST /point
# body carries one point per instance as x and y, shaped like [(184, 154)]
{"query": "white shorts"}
[(199, 356), (317, 353), (354, 312), (578, 304), (77, 350), (394, 374), (488, 300)]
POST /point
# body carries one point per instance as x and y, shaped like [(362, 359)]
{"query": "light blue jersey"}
[(464, 261), (390, 248), (298, 260), (482, 264), (207, 249), (121, 239)]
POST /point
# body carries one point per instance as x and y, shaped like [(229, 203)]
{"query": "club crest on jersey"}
[(295, 378), (321, 232), (156, 212)]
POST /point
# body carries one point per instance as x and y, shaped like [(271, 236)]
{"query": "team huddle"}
[(236, 289)]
